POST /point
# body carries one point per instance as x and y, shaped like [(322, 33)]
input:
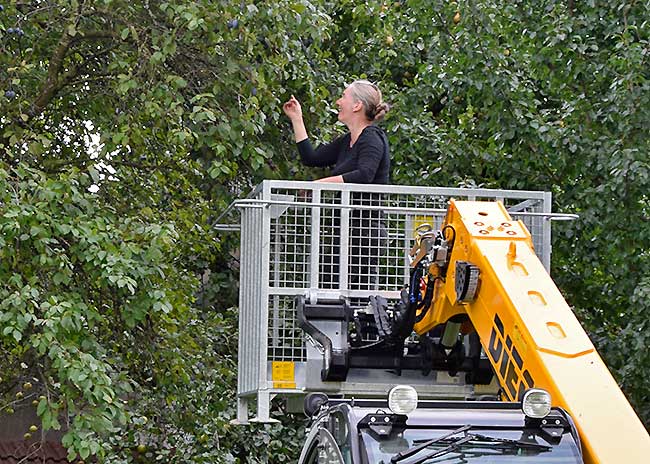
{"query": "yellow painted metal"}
[(283, 373), (530, 334)]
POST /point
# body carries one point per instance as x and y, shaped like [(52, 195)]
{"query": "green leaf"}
[(84, 449), (40, 409), (157, 57)]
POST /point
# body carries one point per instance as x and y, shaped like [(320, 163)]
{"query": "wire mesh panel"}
[(290, 245), (334, 240), (285, 338)]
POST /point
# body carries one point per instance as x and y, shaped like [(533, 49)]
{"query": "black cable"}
[(453, 239), (428, 298), (415, 285)]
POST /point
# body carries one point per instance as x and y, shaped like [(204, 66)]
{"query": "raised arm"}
[(324, 155), (293, 110)]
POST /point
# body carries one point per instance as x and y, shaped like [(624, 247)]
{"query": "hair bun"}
[(380, 110)]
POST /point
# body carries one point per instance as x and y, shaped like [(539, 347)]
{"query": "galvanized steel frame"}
[(256, 216)]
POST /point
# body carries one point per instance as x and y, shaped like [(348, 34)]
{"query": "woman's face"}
[(347, 106)]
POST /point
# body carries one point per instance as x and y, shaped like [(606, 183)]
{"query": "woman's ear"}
[(358, 106)]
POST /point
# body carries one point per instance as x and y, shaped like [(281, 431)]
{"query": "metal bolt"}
[(372, 419), (557, 422), (544, 421), (511, 232), (386, 419), (483, 231), (478, 223)]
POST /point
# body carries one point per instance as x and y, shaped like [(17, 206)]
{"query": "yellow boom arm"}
[(529, 333)]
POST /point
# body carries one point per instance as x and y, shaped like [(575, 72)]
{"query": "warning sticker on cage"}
[(421, 220), (283, 373)]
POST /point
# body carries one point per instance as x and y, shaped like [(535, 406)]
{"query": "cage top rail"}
[(255, 203), (266, 188), (393, 188)]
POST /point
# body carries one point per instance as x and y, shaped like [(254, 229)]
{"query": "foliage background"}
[(126, 125)]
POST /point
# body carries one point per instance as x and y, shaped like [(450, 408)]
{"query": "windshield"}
[(380, 450)]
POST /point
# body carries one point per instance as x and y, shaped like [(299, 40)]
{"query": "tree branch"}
[(55, 81), (52, 81)]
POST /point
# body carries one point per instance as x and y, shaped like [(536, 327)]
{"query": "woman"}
[(360, 156)]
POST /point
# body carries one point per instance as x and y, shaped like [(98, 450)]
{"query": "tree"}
[(150, 107)]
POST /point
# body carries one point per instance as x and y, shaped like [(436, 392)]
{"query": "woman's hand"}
[(292, 109), (332, 180)]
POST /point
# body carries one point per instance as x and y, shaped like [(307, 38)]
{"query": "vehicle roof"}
[(451, 414)]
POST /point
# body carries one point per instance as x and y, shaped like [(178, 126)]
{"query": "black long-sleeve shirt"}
[(366, 162)]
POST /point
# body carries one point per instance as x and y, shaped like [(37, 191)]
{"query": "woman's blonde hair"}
[(370, 96)]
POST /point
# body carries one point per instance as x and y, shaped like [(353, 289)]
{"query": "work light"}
[(536, 403), (402, 399)]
